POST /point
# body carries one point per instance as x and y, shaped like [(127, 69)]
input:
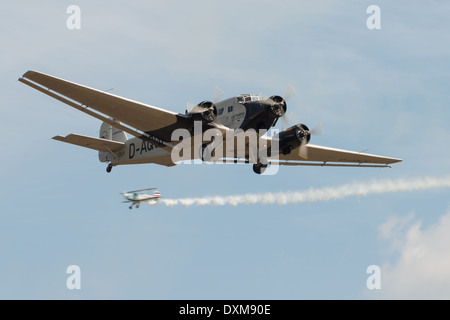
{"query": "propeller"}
[(288, 94), (291, 119), (205, 109), (218, 93), (317, 130), (200, 109), (191, 107), (303, 149)]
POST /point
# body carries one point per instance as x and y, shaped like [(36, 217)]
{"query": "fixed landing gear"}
[(259, 168), (109, 168)]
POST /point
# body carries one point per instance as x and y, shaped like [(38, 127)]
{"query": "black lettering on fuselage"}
[(143, 146), (131, 151)]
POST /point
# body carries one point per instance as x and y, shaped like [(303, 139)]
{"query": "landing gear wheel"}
[(109, 168), (259, 168)]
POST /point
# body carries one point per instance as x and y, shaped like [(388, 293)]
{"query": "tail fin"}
[(109, 132)]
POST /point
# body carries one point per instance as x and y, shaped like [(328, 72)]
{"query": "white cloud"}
[(422, 270)]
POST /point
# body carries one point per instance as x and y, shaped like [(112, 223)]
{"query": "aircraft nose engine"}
[(291, 138), (205, 110), (277, 106)]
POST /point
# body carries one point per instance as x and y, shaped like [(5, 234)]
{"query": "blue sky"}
[(383, 90)]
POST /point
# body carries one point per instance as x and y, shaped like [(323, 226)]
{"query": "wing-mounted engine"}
[(205, 111), (293, 137), (277, 106)]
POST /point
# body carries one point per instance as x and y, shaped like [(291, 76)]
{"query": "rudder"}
[(109, 132)]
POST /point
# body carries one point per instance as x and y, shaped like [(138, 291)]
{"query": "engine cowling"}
[(293, 137), (277, 106), (204, 111)]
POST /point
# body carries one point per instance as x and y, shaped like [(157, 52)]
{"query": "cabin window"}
[(230, 109)]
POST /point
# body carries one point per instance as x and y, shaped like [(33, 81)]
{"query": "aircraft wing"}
[(144, 117), (141, 190), (326, 156), (312, 155), (92, 143)]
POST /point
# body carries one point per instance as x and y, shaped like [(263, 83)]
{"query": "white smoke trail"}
[(314, 194)]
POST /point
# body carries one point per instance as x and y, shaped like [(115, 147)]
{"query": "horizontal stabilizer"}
[(99, 144)]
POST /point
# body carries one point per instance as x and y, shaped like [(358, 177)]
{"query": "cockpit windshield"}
[(248, 98)]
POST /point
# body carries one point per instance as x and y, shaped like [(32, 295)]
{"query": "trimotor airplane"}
[(135, 197), (153, 128)]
